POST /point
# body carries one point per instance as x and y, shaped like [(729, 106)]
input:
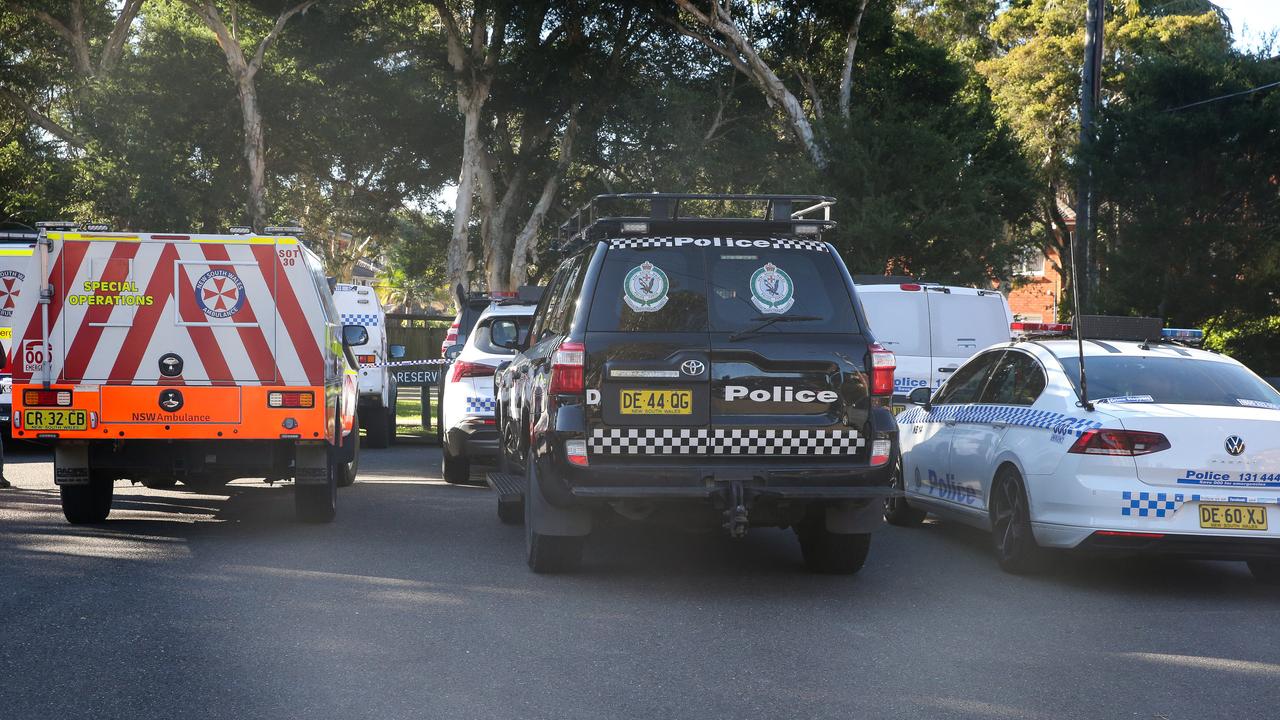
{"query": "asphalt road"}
[(416, 604)]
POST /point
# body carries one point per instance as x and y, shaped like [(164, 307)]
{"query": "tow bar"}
[(736, 516)]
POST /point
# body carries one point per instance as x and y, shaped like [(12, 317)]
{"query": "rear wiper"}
[(767, 321)]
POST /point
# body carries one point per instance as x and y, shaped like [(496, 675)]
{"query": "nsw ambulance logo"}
[(10, 286), (220, 293)]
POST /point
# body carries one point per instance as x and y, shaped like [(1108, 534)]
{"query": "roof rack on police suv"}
[(784, 215)]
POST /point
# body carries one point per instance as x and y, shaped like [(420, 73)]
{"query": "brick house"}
[(1036, 284)]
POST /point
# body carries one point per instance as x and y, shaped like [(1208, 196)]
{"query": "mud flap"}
[(552, 520), (854, 517), (71, 463), (311, 464)]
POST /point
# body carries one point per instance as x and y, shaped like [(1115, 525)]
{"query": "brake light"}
[(1126, 443), (880, 450), (567, 369), (463, 369), (291, 399), (882, 365), (576, 452), (909, 287), (367, 359), (46, 398)]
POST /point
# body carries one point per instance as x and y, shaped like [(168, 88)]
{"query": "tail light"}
[(882, 366), (910, 287), (367, 359), (566, 369), (880, 450), (291, 399), (463, 369), (46, 398), (576, 452), (1127, 443)]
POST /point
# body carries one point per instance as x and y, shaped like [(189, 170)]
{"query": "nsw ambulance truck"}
[(16, 246), (166, 357)]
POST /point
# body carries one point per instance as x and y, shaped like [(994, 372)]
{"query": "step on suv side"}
[(706, 371)]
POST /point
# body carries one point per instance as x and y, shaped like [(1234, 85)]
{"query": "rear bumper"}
[(473, 439), (705, 481), (1208, 547)]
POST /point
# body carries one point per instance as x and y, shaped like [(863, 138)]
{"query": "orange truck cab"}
[(162, 358)]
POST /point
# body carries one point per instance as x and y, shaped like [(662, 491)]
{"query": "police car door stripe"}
[(1009, 415)]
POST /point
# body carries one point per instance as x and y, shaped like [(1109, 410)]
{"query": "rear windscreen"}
[(717, 289), (1179, 381)]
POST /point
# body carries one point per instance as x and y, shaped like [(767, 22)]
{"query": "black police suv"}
[(698, 370)]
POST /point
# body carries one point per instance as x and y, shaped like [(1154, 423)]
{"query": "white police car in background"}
[(931, 329), (359, 305), (467, 402), (1179, 453)]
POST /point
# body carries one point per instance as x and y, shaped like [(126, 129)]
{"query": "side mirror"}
[(453, 351), (920, 396), (504, 333), (354, 335), (396, 352)]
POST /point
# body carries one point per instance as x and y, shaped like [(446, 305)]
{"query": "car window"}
[(700, 288), (542, 316), (486, 336), (567, 303), (965, 386), (1018, 380), (1178, 381), (650, 289), (899, 320)]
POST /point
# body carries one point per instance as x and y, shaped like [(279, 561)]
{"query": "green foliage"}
[(1253, 341)]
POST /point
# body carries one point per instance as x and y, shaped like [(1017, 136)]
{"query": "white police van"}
[(467, 402), (1157, 447), (359, 305), (931, 329)]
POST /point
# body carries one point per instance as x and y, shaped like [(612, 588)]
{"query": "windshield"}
[(717, 289), (1175, 381)]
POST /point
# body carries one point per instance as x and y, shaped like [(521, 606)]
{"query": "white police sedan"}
[(1177, 450)]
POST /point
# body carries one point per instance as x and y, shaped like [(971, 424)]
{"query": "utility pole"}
[(1083, 275)]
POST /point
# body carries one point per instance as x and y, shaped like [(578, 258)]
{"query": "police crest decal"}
[(645, 288), (772, 290)]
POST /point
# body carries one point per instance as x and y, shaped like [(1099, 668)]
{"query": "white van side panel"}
[(900, 322), (964, 321)]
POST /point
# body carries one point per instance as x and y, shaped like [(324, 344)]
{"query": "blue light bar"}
[(1183, 334)]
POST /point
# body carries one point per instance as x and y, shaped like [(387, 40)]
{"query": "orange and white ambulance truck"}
[(16, 246), (165, 357)]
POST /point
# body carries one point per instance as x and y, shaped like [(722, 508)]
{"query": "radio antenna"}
[(1078, 326)]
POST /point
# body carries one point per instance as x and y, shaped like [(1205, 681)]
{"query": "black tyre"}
[(347, 470), (832, 553), (1011, 535), (455, 468), (318, 503), (1266, 570), (376, 429), (82, 504), (546, 553), (511, 513), (897, 511), (160, 483)]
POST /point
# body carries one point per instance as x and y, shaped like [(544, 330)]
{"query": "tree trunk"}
[(456, 256), (851, 46), (254, 151)]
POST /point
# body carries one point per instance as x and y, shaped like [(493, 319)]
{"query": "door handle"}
[(947, 369), (998, 426), (949, 423)]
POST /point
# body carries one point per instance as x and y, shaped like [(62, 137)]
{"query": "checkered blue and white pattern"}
[(1008, 415), (1149, 504), (481, 405), (360, 319), (723, 441), (780, 243)]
